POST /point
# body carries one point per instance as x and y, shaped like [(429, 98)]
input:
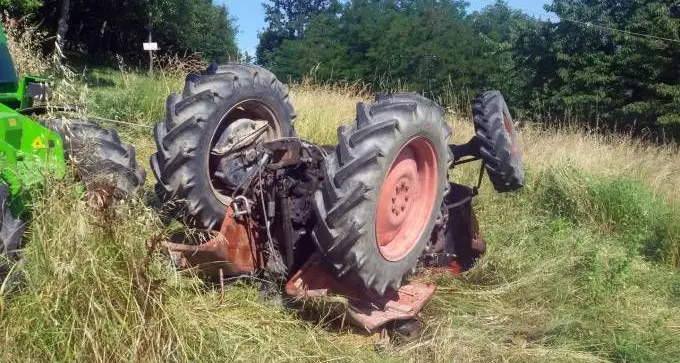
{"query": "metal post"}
[(150, 51)]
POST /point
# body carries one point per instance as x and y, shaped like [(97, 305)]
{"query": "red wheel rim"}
[(407, 198), (507, 122)]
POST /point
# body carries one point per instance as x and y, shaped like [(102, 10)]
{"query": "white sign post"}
[(150, 47)]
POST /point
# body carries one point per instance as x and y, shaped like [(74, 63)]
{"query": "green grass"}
[(142, 102), (581, 264)]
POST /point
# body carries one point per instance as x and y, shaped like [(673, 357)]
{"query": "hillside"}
[(581, 264)]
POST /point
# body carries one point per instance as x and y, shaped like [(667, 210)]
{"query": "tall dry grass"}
[(25, 42), (95, 291)]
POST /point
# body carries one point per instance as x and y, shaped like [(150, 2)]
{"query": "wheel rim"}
[(248, 109), (509, 129), (407, 198)]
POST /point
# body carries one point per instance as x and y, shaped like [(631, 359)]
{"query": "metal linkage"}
[(467, 153), (244, 209), (475, 189), (471, 149)]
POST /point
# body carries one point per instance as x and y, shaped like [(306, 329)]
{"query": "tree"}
[(19, 8), (423, 45), (62, 26), (613, 61), (196, 26), (288, 20), (500, 28), (607, 61), (106, 27), (535, 59)]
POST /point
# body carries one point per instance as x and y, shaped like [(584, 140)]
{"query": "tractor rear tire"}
[(384, 186), (195, 120), (11, 231), (500, 146), (103, 162)]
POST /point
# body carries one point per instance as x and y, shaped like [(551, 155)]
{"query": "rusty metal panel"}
[(233, 250), (366, 309)]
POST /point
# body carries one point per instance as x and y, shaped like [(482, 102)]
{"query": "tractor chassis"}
[(243, 247)]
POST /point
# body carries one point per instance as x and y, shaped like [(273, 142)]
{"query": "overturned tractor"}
[(356, 219)]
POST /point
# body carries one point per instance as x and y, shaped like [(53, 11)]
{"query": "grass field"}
[(581, 264)]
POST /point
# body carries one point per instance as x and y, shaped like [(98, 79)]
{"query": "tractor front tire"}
[(103, 162), (195, 120), (500, 145), (11, 231), (383, 189)]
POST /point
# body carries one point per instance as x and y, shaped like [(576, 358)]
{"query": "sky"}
[(249, 15)]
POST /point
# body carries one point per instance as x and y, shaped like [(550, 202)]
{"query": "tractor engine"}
[(275, 183)]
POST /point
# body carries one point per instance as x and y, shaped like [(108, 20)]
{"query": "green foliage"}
[(390, 44), (628, 209), (19, 7), (288, 20), (136, 99), (101, 29), (195, 26), (422, 45), (499, 28), (606, 62)]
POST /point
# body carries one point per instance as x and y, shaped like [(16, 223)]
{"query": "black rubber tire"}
[(11, 231), (346, 203), (183, 140), (99, 156), (504, 167)]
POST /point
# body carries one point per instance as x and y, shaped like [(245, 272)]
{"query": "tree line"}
[(103, 28), (611, 62), (608, 62)]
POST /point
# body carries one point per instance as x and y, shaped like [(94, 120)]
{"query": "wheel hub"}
[(236, 149), (407, 199), (241, 134), (233, 145), (402, 197)]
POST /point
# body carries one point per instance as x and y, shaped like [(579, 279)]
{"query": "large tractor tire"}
[(11, 230), (383, 190), (103, 162), (185, 165), (500, 146)]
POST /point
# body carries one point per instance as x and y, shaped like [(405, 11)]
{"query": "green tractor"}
[(32, 150)]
